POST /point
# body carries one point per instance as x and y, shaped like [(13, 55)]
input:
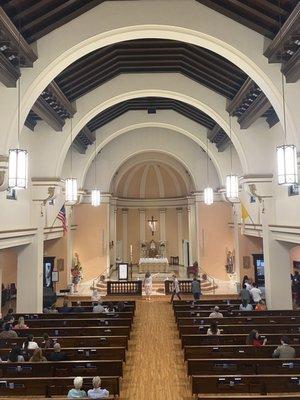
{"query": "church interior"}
[(149, 199)]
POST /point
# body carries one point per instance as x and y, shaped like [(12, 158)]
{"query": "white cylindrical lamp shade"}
[(287, 168), (18, 169), (208, 196), (71, 190), (232, 186), (96, 197)]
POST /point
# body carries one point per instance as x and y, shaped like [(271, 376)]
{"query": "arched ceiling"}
[(152, 176)]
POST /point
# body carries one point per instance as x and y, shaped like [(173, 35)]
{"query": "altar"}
[(153, 265)]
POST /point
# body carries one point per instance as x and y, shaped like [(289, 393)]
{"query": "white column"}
[(30, 271), (69, 243), (277, 269), (124, 233), (236, 240), (179, 235), (142, 220), (113, 231), (192, 231), (162, 225)]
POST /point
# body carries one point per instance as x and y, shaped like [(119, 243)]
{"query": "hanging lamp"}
[(232, 180), (96, 193), (208, 191), (287, 168), (18, 158), (71, 189)]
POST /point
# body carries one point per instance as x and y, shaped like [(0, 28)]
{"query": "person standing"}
[(176, 289), (196, 289), (148, 285), (245, 294), (255, 293)]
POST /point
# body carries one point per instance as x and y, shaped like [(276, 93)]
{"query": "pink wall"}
[(9, 272), (249, 245), (91, 238), (294, 256), (215, 238), (58, 248)]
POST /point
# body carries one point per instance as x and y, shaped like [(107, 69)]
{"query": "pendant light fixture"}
[(71, 183), (232, 180), (18, 158), (287, 168), (96, 193), (208, 191)]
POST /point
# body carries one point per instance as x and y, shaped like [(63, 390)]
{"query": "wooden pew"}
[(215, 302), (83, 353), (236, 339), (235, 384), (243, 366), (290, 396), (62, 368), (52, 386), (84, 331), (239, 329), (41, 323), (72, 315), (197, 319), (75, 341), (234, 311), (228, 351)]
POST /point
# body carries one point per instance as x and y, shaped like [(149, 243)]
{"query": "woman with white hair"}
[(97, 392), (76, 392)]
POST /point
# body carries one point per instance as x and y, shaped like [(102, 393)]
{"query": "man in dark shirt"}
[(78, 308), (57, 354), (65, 308)]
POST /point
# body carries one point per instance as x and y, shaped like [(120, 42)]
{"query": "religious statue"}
[(76, 272), (229, 262)]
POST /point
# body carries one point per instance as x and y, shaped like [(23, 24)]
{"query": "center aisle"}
[(155, 367)]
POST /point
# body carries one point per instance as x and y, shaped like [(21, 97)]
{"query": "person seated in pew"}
[(77, 392), (37, 356), (97, 392), (121, 306), (47, 342), (78, 308), (245, 294), (30, 344), (216, 313), (261, 306), (254, 339), (57, 354), (110, 307), (9, 317), (245, 306), (21, 324), (213, 330), (98, 308), (65, 308), (8, 332), (284, 350), (50, 310), (15, 355)]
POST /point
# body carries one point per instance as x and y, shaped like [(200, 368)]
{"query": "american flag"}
[(62, 217)]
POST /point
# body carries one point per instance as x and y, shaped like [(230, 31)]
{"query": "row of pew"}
[(223, 367), (95, 344)]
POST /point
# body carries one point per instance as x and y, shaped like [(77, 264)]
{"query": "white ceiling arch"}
[(145, 20)]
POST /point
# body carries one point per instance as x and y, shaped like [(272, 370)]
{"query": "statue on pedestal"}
[(229, 262), (76, 272)]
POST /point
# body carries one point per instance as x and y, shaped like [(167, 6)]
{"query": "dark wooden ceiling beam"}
[(61, 99), (219, 137), (228, 12), (8, 73), (48, 114), (256, 109), (291, 68), (11, 33)]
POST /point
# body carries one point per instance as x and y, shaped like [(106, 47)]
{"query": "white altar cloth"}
[(153, 265)]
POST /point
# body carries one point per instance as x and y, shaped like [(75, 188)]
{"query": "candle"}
[(131, 249)]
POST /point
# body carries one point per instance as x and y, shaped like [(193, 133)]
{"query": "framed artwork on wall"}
[(246, 262)]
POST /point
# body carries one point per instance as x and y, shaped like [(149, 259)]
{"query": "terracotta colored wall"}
[(9, 272), (215, 238), (91, 239)]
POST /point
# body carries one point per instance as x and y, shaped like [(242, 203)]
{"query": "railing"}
[(185, 286), (132, 288)]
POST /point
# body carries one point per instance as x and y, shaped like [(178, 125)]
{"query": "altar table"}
[(154, 265)]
